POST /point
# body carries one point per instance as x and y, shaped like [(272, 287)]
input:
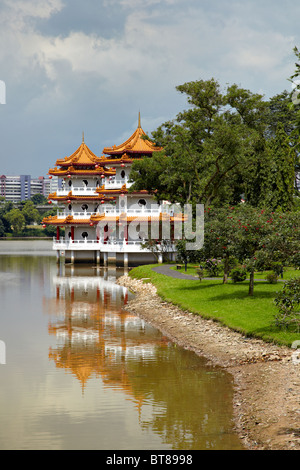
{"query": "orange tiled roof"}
[(96, 218), (71, 170), (72, 197), (135, 144), (122, 190), (82, 156)]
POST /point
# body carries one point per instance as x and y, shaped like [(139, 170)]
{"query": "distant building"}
[(22, 187)]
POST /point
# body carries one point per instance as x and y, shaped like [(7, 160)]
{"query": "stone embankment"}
[(266, 377)]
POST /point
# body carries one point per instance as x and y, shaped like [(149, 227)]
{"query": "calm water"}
[(82, 373)]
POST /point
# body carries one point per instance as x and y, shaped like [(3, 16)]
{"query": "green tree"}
[(16, 220), (4, 209), (271, 181), (38, 199), (224, 146), (30, 213), (251, 235), (2, 229), (219, 239)]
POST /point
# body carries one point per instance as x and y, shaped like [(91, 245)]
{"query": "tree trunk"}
[(226, 269), (251, 283)]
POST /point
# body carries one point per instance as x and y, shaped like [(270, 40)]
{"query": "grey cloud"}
[(91, 66)]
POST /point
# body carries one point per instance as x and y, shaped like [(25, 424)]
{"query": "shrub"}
[(238, 274), (272, 277), (213, 267), (288, 303), (200, 273)]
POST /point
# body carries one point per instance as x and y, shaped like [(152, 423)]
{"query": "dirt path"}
[(267, 377)]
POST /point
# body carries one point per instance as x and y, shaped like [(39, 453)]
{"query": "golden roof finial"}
[(83, 137), (139, 125)]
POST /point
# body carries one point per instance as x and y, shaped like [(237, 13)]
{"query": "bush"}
[(272, 277), (200, 273), (213, 267), (288, 303), (238, 274)]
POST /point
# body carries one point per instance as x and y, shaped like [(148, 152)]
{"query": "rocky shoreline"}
[(267, 379)]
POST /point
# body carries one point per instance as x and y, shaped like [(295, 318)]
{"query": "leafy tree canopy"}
[(227, 145)]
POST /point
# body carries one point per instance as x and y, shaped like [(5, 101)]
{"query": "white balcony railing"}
[(89, 191), (61, 214), (113, 211), (111, 246), (77, 191)]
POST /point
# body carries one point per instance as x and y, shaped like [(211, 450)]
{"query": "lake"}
[(81, 372)]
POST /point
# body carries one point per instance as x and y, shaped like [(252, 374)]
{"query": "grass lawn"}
[(227, 303), (288, 272)]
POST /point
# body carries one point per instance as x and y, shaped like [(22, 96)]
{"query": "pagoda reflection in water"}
[(95, 335)]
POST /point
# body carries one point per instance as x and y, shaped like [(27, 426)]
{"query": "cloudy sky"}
[(71, 66)]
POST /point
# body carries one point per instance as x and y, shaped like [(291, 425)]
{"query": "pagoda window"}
[(142, 202), (123, 174), (70, 183), (84, 235), (84, 207), (70, 207), (85, 182)]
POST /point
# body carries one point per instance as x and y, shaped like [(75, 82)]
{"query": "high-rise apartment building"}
[(22, 187)]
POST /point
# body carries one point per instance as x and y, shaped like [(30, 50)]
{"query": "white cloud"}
[(73, 78), (22, 9)]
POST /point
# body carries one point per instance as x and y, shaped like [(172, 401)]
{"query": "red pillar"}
[(57, 233), (72, 234)]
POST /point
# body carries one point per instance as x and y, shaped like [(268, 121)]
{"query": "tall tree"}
[(16, 220), (217, 150)]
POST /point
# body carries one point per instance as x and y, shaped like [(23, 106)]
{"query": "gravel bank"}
[(267, 379)]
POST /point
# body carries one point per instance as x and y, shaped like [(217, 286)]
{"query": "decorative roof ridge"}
[(134, 137), (75, 156)]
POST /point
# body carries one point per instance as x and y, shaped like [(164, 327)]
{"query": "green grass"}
[(191, 270), (229, 303)]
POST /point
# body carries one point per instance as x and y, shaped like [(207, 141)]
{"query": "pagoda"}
[(104, 221)]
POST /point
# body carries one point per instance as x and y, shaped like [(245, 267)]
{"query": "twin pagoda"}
[(103, 221)]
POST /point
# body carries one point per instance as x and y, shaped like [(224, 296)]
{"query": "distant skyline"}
[(71, 67)]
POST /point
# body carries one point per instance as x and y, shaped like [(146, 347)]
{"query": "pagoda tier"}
[(124, 160), (81, 157), (81, 171), (136, 146), (83, 162)]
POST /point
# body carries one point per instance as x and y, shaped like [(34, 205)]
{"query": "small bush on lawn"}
[(272, 277), (238, 274)]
